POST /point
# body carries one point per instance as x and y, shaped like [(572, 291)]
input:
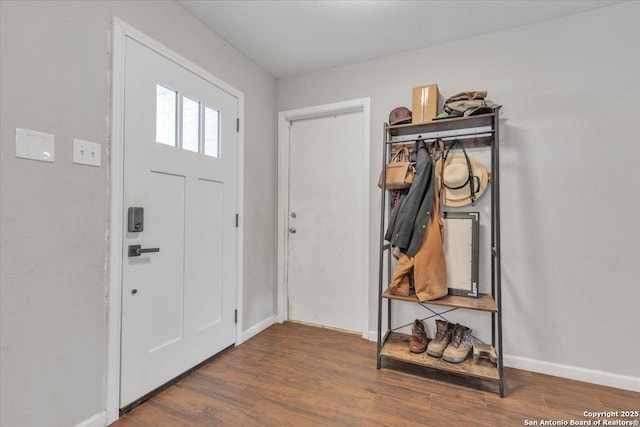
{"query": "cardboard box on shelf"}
[(425, 103)]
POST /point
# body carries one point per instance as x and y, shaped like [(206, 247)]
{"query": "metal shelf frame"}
[(475, 131)]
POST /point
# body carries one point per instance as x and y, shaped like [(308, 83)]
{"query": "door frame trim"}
[(120, 32), (284, 119)]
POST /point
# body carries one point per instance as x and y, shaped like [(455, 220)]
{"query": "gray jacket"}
[(408, 225)]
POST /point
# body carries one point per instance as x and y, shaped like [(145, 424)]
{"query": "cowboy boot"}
[(460, 346), (443, 337), (418, 341)]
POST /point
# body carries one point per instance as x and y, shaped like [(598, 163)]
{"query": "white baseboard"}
[(574, 373), (373, 336), (98, 420), (257, 328)]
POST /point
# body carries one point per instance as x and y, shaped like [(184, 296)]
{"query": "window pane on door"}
[(190, 124), (211, 132), (166, 101)]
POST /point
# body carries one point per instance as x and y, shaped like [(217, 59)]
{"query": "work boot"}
[(441, 340), (460, 346), (418, 341)]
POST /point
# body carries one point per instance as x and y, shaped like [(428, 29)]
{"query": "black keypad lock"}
[(136, 219)]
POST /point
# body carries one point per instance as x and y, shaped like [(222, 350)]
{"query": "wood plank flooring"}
[(299, 375)]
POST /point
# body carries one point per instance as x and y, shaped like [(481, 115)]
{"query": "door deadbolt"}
[(135, 216), (293, 215)]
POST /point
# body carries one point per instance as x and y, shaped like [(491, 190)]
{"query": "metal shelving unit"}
[(472, 132)]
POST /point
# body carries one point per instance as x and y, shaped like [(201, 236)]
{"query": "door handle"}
[(292, 230), (136, 250)]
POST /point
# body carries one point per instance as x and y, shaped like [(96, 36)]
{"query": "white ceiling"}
[(294, 37)]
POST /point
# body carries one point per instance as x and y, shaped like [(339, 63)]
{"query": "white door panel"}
[(325, 196), (160, 278), (206, 235), (177, 304)]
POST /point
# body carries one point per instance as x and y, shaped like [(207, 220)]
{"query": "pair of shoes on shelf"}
[(452, 342)]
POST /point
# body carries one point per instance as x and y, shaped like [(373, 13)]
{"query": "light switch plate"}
[(86, 153), (34, 145)]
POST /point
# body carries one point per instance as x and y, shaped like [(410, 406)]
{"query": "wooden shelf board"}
[(397, 347), (442, 125), (484, 302)]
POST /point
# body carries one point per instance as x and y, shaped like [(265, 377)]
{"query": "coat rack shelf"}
[(484, 302), (397, 348), (472, 132)]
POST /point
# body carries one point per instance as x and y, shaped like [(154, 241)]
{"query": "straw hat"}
[(456, 180)]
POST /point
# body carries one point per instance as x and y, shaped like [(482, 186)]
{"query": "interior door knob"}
[(292, 230)]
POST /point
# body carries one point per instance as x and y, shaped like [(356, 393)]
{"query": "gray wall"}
[(54, 78), (570, 150)]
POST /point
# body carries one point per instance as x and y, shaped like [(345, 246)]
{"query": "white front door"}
[(326, 233), (180, 166)]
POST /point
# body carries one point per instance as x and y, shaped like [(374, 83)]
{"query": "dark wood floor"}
[(298, 375)]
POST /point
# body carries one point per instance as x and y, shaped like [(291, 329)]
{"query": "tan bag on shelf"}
[(399, 171)]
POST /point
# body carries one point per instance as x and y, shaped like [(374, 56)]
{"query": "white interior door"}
[(180, 166), (326, 204)]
